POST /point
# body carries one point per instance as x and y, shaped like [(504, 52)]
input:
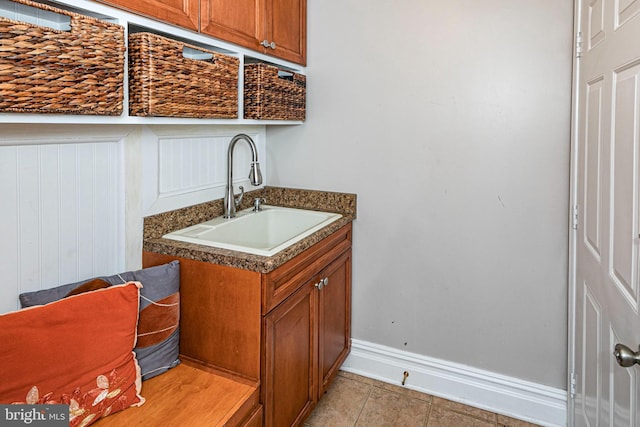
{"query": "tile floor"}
[(353, 400)]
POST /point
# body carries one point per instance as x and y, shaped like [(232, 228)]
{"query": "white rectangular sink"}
[(261, 233)]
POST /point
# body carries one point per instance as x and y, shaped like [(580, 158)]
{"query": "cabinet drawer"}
[(289, 277)]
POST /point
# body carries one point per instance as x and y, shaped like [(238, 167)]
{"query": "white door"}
[(606, 288)]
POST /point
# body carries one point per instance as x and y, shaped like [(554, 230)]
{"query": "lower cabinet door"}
[(334, 328), (289, 388)]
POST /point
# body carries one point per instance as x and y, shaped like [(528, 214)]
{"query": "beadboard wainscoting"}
[(185, 166), (63, 211), (505, 395), (74, 196)]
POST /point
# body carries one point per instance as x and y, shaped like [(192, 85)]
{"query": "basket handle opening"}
[(198, 55), (33, 15), (285, 75)]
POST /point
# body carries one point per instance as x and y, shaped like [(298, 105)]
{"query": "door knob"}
[(625, 356)]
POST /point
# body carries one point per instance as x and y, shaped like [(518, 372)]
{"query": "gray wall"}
[(450, 120)]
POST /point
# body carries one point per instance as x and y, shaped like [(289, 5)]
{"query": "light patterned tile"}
[(340, 405), (388, 409), (464, 409), (406, 392), (387, 386), (375, 403), (360, 378), (441, 416)]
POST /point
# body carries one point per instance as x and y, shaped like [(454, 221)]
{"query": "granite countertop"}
[(158, 225)]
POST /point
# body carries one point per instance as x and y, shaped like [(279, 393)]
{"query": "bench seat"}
[(192, 395)]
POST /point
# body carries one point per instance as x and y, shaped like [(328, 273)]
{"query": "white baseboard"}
[(509, 396)]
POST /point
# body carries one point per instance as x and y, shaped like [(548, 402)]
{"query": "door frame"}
[(573, 213)]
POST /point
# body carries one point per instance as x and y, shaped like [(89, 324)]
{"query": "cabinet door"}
[(236, 21), (286, 26), (180, 12), (289, 375), (334, 330)]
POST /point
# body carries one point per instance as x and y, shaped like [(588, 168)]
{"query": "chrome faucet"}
[(255, 176)]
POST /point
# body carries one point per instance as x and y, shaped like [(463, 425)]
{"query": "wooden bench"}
[(193, 395)]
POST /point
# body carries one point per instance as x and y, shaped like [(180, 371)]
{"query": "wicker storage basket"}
[(43, 70), (268, 96), (163, 82)]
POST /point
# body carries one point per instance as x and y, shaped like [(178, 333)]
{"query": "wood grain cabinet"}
[(288, 381), (334, 320), (289, 328), (183, 13), (274, 27), (306, 339)]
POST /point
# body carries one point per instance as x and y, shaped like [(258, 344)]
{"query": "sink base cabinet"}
[(290, 329), (306, 339), (334, 320), (220, 314), (288, 381)]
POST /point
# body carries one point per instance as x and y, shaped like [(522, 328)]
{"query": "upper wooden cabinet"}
[(237, 21), (179, 12), (274, 27)]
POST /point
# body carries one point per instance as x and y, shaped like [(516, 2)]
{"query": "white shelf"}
[(138, 23), (130, 120)]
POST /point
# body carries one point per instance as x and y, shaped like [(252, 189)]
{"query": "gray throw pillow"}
[(157, 347)]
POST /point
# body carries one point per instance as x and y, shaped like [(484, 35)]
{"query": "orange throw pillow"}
[(76, 351)]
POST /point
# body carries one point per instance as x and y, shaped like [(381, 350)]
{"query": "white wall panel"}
[(8, 228), (184, 166), (63, 214), (185, 163), (52, 212), (69, 233)]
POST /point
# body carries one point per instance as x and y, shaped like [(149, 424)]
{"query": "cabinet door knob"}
[(268, 44), (322, 283)]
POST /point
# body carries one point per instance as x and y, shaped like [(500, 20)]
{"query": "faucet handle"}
[(239, 199), (257, 203)]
